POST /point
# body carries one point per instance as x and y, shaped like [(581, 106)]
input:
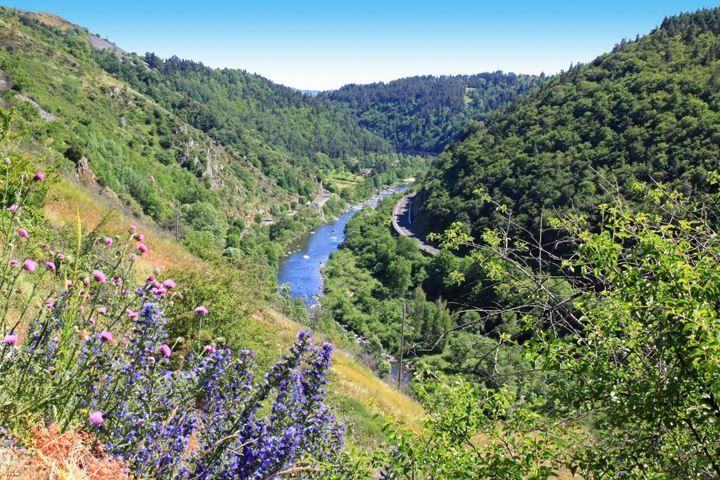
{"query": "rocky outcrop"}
[(47, 116), (84, 171), (100, 44), (5, 81)]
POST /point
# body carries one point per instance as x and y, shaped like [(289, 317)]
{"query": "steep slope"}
[(117, 139), (649, 110), (284, 132), (112, 142), (425, 113), (169, 136)]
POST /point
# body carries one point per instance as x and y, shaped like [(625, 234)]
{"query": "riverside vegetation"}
[(546, 341)]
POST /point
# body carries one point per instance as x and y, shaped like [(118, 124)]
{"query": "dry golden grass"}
[(54, 455), (52, 20), (355, 380), (65, 199)]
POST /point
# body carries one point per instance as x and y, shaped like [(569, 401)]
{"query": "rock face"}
[(100, 44), (48, 117), (84, 171), (5, 82)]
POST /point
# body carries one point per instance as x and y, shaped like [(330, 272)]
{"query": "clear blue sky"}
[(325, 44)]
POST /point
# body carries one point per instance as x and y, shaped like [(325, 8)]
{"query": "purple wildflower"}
[(96, 418)]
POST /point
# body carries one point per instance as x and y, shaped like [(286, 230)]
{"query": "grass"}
[(344, 180)]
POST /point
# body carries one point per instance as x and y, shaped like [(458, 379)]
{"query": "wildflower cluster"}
[(82, 349)]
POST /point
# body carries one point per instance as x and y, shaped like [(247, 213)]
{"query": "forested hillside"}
[(647, 111), (169, 136), (423, 114), (286, 133), (601, 362)]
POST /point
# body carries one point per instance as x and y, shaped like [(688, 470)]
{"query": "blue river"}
[(301, 270)]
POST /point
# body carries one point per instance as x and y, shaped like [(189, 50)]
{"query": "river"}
[(301, 270)]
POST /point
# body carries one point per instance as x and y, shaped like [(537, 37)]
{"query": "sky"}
[(320, 45)]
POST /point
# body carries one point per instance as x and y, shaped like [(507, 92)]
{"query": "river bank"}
[(301, 269)]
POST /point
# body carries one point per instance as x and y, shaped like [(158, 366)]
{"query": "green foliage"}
[(424, 114), (644, 365), (474, 432), (648, 110), (294, 139), (191, 147)]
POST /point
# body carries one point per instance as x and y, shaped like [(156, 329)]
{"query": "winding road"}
[(402, 221)]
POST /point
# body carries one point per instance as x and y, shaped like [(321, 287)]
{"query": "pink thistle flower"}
[(133, 257), (202, 311), (91, 321), (169, 284), (50, 266), (132, 314), (50, 303), (107, 336), (132, 229), (60, 256), (23, 233), (86, 282), (29, 265), (108, 242), (13, 263), (142, 249), (165, 350), (159, 291), (10, 339), (210, 349), (102, 309), (99, 276), (13, 208), (139, 237), (96, 418), (39, 176), (117, 280), (150, 278), (69, 283)]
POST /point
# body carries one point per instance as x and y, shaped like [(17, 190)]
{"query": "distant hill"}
[(648, 110), (423, 114)]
